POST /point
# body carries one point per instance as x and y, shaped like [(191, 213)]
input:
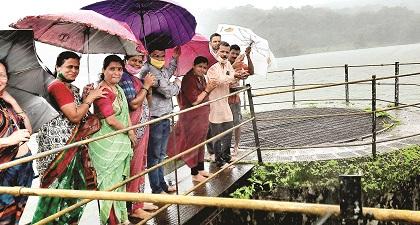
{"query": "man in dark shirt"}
[(163, 91), (236, 59)]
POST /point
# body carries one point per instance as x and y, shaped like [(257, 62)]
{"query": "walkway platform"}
[(224, 183)]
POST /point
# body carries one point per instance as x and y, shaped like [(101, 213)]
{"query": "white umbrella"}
[(260, 52)]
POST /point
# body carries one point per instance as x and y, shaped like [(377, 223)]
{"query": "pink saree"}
[(138, 162)]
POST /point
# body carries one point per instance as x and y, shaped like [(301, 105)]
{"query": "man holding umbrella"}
[(236, 59), (163, 91)]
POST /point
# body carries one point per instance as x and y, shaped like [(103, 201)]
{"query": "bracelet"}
[(206, 92), (147, 90), (87, 103), (22, 112)]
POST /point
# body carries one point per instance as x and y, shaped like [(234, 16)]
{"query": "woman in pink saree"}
[(137, 93), (191, 128)]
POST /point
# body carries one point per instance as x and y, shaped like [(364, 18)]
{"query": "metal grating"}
[(309, 131)]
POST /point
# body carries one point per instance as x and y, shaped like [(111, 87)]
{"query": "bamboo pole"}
[(83, 142), (85, 201), (264, 205)]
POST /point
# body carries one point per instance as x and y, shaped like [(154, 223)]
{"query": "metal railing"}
[(172, 159), (264, 205), (346, 68), (256, 205), (373, 112)]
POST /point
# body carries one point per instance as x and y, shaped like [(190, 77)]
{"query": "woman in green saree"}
[(111, 156)]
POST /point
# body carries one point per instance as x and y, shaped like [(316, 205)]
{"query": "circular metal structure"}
[(291, 132)]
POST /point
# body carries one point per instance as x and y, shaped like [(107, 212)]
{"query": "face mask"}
[(131, 69), (157, 63), (61, 77)]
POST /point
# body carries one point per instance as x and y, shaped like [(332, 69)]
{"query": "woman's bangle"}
[(87, 103), (147, 90), (207, 92), (19, 113)]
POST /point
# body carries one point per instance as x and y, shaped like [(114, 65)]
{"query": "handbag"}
[(91, 125)]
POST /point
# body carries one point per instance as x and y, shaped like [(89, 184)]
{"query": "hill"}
[(297, 31)]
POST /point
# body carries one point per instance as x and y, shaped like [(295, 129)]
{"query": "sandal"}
[(171, 188)]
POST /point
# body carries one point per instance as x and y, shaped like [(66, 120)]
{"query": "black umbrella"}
[(28, 80)]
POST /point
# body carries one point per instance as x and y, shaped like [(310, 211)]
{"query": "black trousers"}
[(209, 145), (221, 146), (199, 167)]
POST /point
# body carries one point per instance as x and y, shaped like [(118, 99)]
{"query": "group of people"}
[(130, 91)]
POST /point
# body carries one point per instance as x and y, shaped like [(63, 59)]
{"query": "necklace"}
[(113, 89), (116, 93), (67, 84), (8, 115)]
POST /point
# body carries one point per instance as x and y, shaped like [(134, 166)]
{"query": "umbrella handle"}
[(43, 65), (87, 33), (142, 26)]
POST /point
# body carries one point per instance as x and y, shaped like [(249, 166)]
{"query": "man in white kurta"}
[(220, 118)]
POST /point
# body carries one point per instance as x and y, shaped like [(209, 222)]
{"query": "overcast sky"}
[(15, 9)]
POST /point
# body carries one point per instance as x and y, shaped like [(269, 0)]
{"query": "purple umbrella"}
[(154, 22)]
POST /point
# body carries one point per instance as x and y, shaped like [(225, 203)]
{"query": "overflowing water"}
[(385, 88)]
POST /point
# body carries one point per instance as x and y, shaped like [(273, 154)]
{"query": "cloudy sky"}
[(16, 9)]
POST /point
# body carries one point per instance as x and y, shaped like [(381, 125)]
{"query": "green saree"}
[(111, 159), (73, 178)]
